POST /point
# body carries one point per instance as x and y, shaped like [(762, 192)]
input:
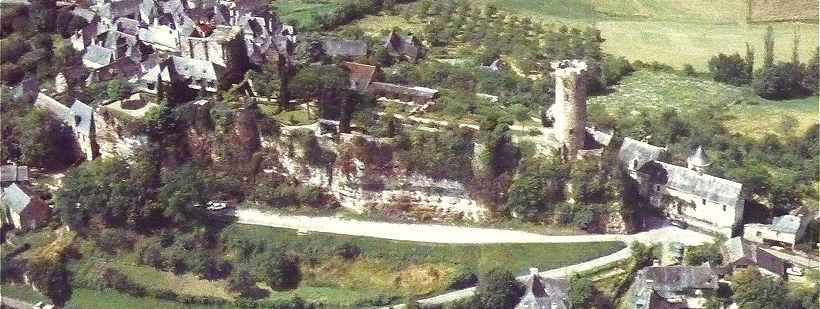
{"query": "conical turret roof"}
[(699, 158)]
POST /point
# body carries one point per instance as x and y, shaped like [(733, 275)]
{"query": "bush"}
[(282, 272), (778, 82), (498, 289), (241, 282), (615, 69), (114, 279), (348, 251), (112, 239), (729, 69)]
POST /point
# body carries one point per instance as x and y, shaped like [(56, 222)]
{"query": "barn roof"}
[(360, 75)]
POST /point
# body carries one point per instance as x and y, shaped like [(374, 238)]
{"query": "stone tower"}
[(570, 108)]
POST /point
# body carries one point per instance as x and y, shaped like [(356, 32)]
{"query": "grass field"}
[(674, 32), (302, 11), (750, 114), (402, 269)]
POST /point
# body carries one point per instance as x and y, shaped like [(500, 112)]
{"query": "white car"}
[(794, 271), (218, 206)]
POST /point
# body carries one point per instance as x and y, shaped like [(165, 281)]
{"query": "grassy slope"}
[(303, 10), (752, 115)]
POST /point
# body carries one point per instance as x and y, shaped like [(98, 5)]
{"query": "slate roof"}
[(415, 91), (736, 250), (544, 293), (162, 36), (360, 75), (81, 117), (113, 10), (786, 224), (669, 281), (632, 150), (15, 198), (13, 173), (98, 56), (399, 45), (719, 190), (194, 68), (344, 48), (127, 25), (56, 108)]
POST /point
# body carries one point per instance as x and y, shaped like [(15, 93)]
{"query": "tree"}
[(43, 140), (750, 60), (704, 253), (117, 89), (751, 290), (581, 291), (282, 272), (241, 282), (730, 69), (777, 82), (811, 76), (326, 83), (51, 278), (498, 289), (689, 70), (768, 48)]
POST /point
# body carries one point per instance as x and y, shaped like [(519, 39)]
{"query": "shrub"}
[(282, 272), (730, 69), (114, 279), (498, 289), (112, 239), (241, 282), (348, 251), (778, 82)]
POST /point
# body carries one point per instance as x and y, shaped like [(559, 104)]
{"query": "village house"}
[(96, 56), (544, 293), (785, 230), (79, 117), (738, 254), (13, 173), (23, 209), (415, 94), (404, 47), (347, 49), (685, 193), (216, 47), (672, 287)]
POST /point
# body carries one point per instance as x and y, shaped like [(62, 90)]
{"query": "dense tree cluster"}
[(33, 136)]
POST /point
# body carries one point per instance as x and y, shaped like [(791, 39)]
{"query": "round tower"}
[(570, 107), (698, 161)]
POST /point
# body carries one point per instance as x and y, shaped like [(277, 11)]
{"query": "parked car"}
[(214, 206), (794, 271)]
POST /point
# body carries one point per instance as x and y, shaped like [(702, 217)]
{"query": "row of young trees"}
[(772, 80)]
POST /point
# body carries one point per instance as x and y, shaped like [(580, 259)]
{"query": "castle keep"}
[(569, 112)]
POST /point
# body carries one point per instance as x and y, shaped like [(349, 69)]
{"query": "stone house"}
[(703, 201), (784, 230), (544, 293), (347, 49), (161, 37), (23, 210), (215, 48), (738, 254), (96, 56), (415, 94), (13, 173), (80, 118), (672, 287), (405, 47)]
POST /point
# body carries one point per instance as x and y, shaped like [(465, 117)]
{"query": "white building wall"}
[(761, 232), (722, 218)]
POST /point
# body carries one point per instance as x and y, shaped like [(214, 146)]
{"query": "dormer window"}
[(634, 164), (657, 188), (724, 207), (703, 201)]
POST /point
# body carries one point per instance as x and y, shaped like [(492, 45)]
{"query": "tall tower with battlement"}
[(569, 112)]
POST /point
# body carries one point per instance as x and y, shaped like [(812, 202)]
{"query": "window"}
[(703, 201), (759, 234), (635, 164), (724, 207), (657, 188)]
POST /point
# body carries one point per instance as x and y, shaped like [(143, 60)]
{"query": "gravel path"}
[(450, 234)]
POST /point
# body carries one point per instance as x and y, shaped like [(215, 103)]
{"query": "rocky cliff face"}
[(387, 190)]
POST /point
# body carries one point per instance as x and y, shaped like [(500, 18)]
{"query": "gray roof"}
[(86, 14), (719, 190), (414, 91), (668, 281), (344, 48), (786, 224), (81, 117), (98, 56), (399, 45), (698, 158), (129, 26), (161, 36), (634, 154), (544, 293), (739, 251), (13, 173), (194, 68), (120, 8), (46, 102), (15, 198)]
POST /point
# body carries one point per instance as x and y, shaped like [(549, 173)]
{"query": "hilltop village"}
[(209, 154)]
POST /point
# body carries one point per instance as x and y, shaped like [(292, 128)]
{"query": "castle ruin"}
[(569, 112)]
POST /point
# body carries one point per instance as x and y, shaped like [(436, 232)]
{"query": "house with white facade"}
[(784, 230)]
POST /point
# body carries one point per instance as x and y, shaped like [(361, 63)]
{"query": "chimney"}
[(533, 270)]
